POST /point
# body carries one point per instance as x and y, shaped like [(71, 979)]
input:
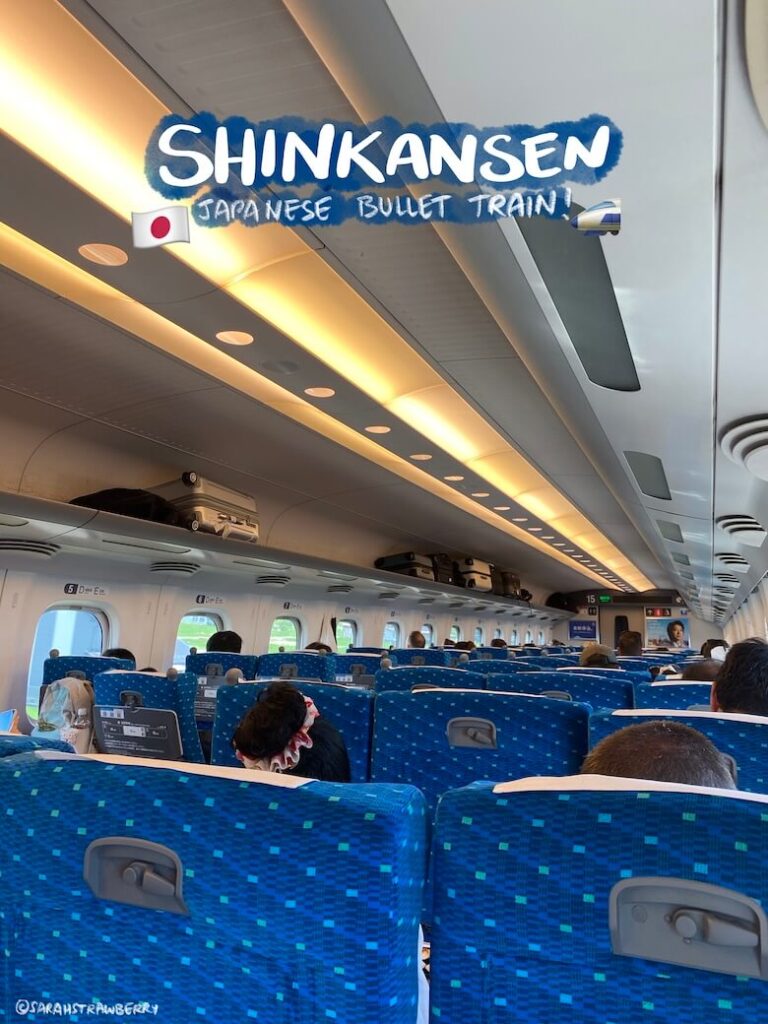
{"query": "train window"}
[(513, 638), (497, 634), (455, 634), (194, 631), (391, 635), (528, 636), (72, 631), (479, 636), (346, 634), (284, 635), (541, 637), (429, 634)]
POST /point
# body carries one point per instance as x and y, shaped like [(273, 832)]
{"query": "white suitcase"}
[(212, 508)]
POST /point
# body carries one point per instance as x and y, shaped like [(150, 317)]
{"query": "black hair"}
[(701, 671), (277, 715), (630, 644), (661, 751), (675, 622), (119, 652), (498, 642), (226, 641), (317, 645), (708, 645), (742, 682), (417, 639)]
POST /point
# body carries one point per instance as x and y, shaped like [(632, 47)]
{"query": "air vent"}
[(743, 528), (456, 604), (389, 595), (481, 608), (40, 548), (259, 563), (427, 600), (735, 562), (339, 588), (686, 575), (179, 568), (746, 443), (175, 549), (576, 275), (337, 576), (272, 581), (725, 577), (669, 531), (681, 559), (648, 471)]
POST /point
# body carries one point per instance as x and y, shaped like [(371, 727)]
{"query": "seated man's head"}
[(714, 644), (225, 642), (597, 656), (498, 642), (742, 682), (119, 652), (630, 644), (701, 671), (318, 645), (417, 639), (661, 751)]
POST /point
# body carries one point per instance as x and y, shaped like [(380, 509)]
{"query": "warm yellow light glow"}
[(235, 337), (319, 392), (421, 458), (453, 479), (481, 494), (104, 255), (377, 429)]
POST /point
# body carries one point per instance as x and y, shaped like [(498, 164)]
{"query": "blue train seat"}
[(597, 691), (247, 663), (491, 654), (743, 737), (421, 656), (506, 667), (407, 676), (529, 877), (16, 743), (62, 665), (298, 665), (212, 895), (157, 691), (350, 710), (438, 739), (351, 666), (675, 696)]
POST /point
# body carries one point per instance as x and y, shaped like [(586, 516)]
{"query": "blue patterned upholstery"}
[(308, 666), (676, 696), (744, 737), (505, 667), (303, 902), (371, 663), (636, 665), (57, 668), (350, 710), (534, 736), (553, 661), (18, 744), (403, 678), (522, 886), (420, 656), (491, 654), (158, 692), (247, 663), (597, 691)]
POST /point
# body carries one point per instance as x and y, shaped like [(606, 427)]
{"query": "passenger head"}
[(316, 645), (630, 644), (417, 639), (283, 732), (465, 645), (676, 631), (225, 642), (119, 652), (742, 682), (714, 648), (597, 656), (701, 671), (498, 642), (660, 751), (448, 642)]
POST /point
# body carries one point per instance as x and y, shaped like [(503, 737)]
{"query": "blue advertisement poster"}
[(582, 629), (667, 627)]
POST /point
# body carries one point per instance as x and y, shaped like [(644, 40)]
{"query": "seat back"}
[(406, 677), (351, 666), (491, 654), (743, 737), (524, 880), (199, 663), (637, 665), (426, 738), (61, 666), (298, 665), (262, 899), (421, 656), (13, 744), (676, 696), (157, 691), (350, 710), (597, 691), (507, 667)]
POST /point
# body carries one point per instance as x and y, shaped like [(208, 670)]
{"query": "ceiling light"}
[(520, 519), (559, 544), (535, 529), (420, 458), (319, 392), (103, 254), (481, 494), (548, 536), (234, 337), (453, 479), (501, 508), (377, 430)]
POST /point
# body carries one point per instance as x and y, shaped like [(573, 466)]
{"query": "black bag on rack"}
[(126, 501)]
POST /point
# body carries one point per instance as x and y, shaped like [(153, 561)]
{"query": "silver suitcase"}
[(212, 508)]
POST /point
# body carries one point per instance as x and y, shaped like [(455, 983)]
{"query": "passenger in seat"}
[(660, 751), (283, 732), (741, 686), (498, 642), (225, 642), (701, 671), (630, 644), (320, 647), (416, 639), (119, 652), (597, 656)]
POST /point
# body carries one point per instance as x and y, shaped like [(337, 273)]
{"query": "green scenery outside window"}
[(455, 634), (391, 636), (284, 635), (194, 631), (346, 634)]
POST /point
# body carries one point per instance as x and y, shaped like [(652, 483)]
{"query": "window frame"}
[(197, 613), (455, 628), (355, 632), (514, 637), (429, 638), (299, 633), (398, 634), (478, 635)]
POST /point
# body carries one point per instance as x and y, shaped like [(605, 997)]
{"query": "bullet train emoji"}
[(601, 219)]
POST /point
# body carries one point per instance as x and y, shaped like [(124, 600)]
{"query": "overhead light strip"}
[(66, 99)]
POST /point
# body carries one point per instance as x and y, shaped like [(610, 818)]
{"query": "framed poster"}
[(582, 629), (667, 627)]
